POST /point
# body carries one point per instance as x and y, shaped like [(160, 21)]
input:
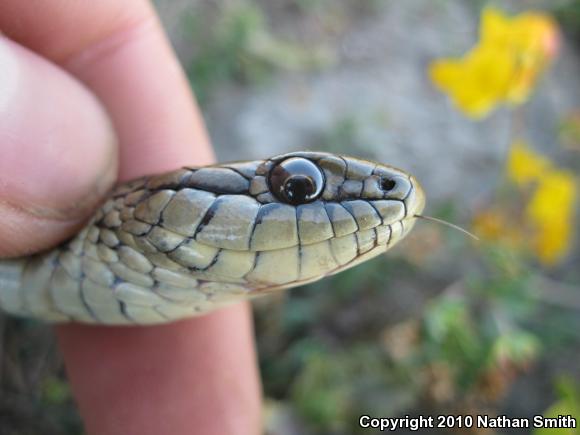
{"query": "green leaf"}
[(560, 408), (568, 405), (515, 346)]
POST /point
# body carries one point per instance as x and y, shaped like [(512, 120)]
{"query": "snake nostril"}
[(387, 184)]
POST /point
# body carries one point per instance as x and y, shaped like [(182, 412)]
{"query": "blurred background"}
[(481, 101)]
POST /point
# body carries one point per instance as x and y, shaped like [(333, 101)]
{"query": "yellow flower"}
[(544, 223), (503, 67), (524, 166), (551, 211), (475, 83), (494, 224)]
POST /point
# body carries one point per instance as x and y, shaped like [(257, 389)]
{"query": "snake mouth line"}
[(365, 250)]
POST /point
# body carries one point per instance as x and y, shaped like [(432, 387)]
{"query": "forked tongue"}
[(447, 224)]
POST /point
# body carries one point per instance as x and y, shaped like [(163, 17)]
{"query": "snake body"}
[(184, 243)]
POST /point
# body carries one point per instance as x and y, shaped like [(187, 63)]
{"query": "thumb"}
[(58, 153)]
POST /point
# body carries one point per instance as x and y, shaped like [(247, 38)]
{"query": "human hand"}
[(114, 80)]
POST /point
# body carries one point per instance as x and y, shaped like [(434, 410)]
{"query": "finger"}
[(119, 50), (176, 379), (42, 149), (128, 63)]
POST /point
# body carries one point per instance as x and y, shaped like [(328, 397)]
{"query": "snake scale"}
[(184, 243)]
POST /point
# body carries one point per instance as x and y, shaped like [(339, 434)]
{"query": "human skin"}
[(91, 92)]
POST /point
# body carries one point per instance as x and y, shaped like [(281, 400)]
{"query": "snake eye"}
[(296, 181)]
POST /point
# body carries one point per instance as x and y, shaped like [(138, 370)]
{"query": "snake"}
[(184, 243)]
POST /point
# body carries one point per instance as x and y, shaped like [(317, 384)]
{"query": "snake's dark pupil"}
[(298, 189), (296, 180)]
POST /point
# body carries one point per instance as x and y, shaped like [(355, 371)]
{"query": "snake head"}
[(321, 213), (268, 224)]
